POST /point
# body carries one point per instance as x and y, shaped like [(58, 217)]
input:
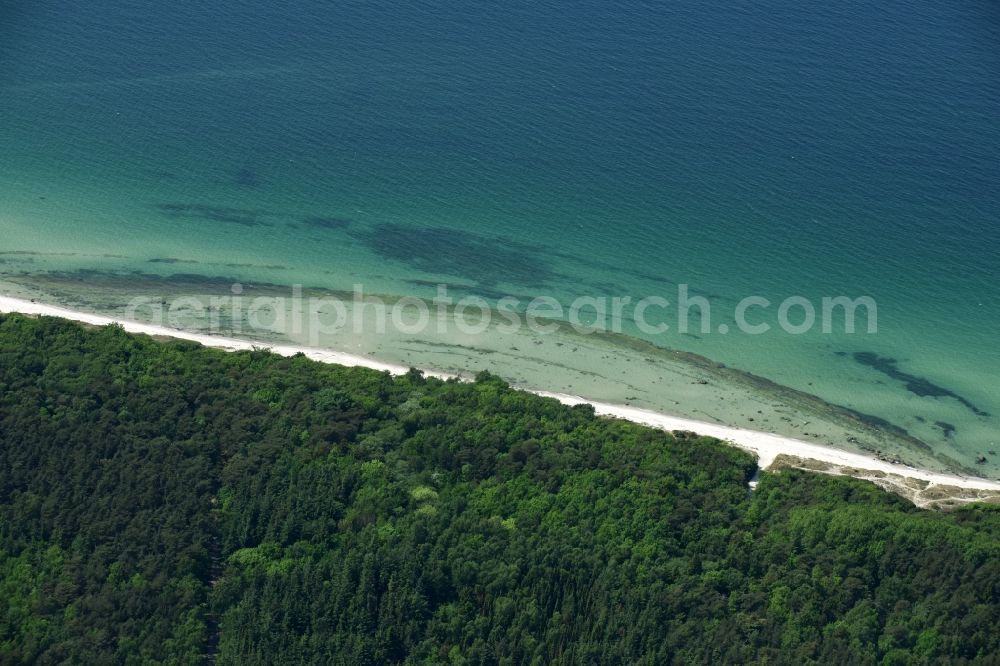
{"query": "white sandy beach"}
[(766, 446)]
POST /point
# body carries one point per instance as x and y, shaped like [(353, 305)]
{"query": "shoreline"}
[(613, 368), (768, 447)]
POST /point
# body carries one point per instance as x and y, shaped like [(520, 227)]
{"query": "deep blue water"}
[(776, 148)]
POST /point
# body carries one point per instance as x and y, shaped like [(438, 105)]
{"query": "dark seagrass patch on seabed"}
[(128, 282), (484, 260), (947, 428), (919, 386), (246, 177), (272, 267)]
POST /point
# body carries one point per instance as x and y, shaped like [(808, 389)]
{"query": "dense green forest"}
[(165, 503)]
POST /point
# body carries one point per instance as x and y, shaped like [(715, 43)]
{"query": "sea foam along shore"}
[(766, 446)]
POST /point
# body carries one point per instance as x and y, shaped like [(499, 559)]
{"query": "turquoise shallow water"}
[(541, 148)]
